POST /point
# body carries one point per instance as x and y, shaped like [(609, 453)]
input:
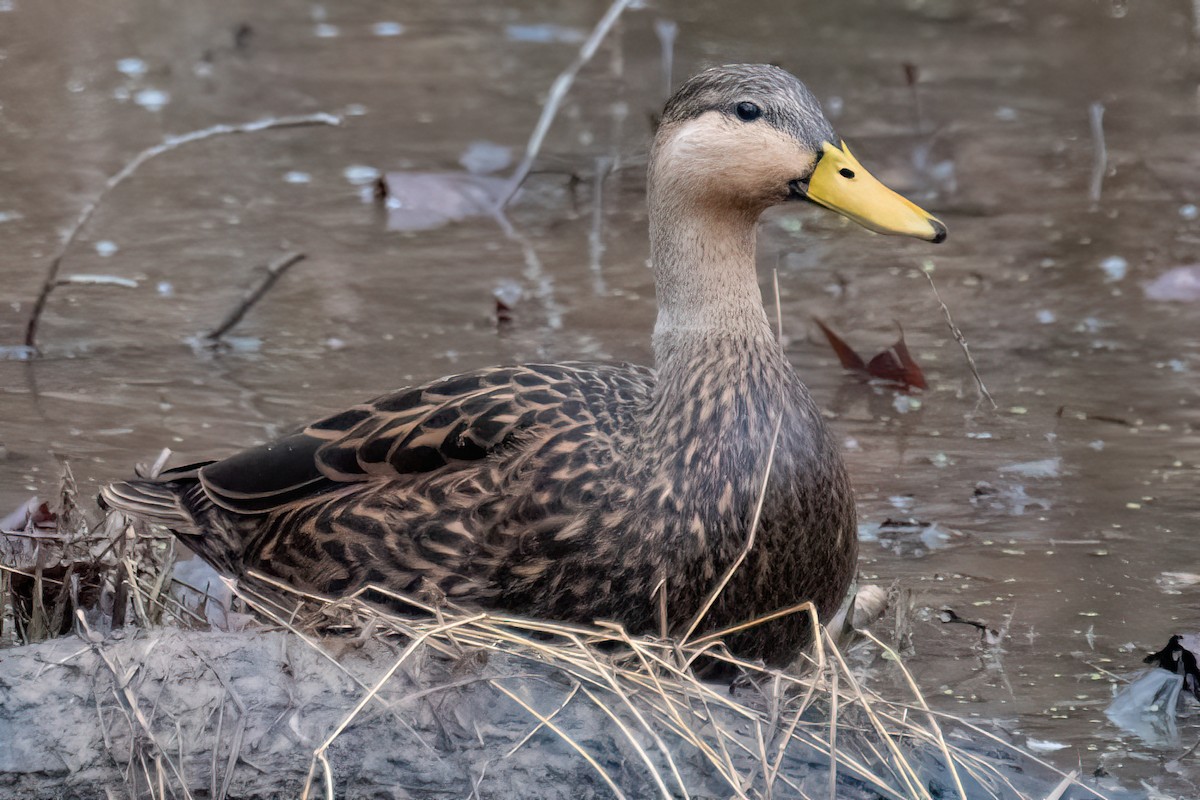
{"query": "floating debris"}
[(105, 248), (152, 99), (1179, 285), (326, 31), (1042, 468), (987, 635), (544, 34), (1044, 745), (297, 177), (1011, 499), (101, 280), (482, 157), (132, 67), (1114, 268), (1172, 582), (907, 537), (894, 365), (360, 174), (387, 29), (17, 352), (417, 201)]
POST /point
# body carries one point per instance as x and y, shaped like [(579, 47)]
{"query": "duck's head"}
[(749, 136)]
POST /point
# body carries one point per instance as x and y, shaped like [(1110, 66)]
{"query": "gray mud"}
[(170, 705)]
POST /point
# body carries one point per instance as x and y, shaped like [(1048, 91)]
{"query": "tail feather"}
[(178, 504), (177, 500)]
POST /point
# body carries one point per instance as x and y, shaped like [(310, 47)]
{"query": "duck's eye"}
[(748, 112), (846, 173)]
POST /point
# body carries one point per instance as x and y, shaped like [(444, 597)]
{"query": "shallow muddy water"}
[(1073, 508)]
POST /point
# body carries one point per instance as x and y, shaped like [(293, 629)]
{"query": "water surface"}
[(1068, 511)]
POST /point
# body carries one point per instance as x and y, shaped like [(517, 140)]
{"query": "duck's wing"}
[(446, 425)]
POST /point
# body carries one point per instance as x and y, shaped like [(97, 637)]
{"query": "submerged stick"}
[(958, 336), (274, 270), (1099, 153), (558, 92), (167, 145)]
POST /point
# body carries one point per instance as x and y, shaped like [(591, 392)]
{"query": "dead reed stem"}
[(558, 92), (167, 145)]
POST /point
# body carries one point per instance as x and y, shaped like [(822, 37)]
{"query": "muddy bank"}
[(240, 715)]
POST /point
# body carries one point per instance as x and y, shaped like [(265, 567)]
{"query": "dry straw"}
[(643, 690)]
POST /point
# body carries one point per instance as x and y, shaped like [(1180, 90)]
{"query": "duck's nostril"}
[(846, 173)]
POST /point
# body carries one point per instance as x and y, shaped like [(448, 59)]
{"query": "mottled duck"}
[(579, 491)]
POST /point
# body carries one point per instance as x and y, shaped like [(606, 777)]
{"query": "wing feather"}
[(444, 425)]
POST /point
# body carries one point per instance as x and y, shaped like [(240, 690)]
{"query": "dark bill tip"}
[(939, 231)]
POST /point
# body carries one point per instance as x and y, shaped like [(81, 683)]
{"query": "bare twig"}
[(958, 336), (558, 92), (1099, 153), (666, 30), (170, 143), (273, 272)]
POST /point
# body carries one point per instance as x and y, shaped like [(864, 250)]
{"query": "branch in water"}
[(274, 270), (558, 92), (168, 144)]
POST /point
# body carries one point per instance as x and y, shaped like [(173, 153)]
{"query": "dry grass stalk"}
[(49, 572), (659, 712), (645, 687)]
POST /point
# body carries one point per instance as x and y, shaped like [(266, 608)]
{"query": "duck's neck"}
[(704, 273)]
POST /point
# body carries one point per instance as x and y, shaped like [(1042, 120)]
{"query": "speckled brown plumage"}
[(570, 491)]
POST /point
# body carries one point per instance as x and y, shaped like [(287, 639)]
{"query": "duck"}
[(708, 485)]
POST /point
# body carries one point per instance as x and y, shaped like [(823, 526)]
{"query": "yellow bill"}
[(840, 183)]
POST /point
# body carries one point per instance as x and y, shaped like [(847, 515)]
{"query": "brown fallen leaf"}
[(894, 365)]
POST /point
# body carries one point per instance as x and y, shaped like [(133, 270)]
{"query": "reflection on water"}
[(1061, 513)]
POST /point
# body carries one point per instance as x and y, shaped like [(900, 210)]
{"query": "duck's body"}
[(579, 491)]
